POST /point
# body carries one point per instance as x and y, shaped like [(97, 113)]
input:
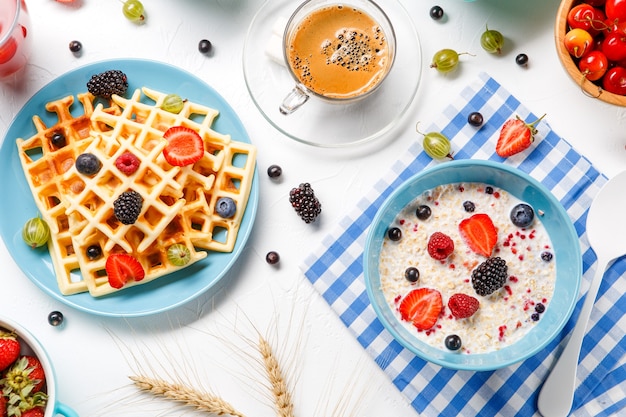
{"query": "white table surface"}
[(207, 340)]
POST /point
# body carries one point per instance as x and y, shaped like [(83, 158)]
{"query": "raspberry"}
[(463, 306), (440, 246), (127, 162), (128, 206), (489, 276), (305, 203), (108, 83)]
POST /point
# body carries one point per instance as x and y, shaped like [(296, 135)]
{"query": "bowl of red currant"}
[(591, 44)]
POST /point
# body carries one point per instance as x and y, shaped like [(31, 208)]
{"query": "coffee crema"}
[(338, 52)]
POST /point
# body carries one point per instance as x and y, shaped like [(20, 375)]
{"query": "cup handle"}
[(64, 410), (292, 102)]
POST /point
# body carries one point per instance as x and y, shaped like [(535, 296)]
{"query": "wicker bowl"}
[(588, 87)]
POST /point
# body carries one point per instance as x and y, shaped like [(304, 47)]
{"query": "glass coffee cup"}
[(338, 52), (14, 36)]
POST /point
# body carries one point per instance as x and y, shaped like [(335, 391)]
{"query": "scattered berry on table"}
[(35, 232), (225, 207), (303, 200), (516, 136), (469, 206), (412, 274), (133, 10), (94, 252), (489, 276), (440, 246), (122, 268), (88, 164), (127, 162), (107, 83), (462, 305), (475, 119), (522, 215), (546, 256), (521, 60), (479, 233), (492, 41), (55, 318), (274, 171), (453, 342), (75, 46), (184, 146), (58, 139), (272, 257), (178, 254), (421, 307), (436, 12), (127, 206), (205, 46), (423, 212), (446, 60), (394, 234)]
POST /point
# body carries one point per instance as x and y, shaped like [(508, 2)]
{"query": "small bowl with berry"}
[(472, 265), (591, 45), (27, 383)]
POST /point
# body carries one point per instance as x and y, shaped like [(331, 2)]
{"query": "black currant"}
[(521, 60), (453, 342), (76, 46), (272, 258), (394, 234), (412, 274), (55, 318), (204, 46), (475, 119), (423, 212), (58, 139), (436, 12), (274, 171), (94, 252)]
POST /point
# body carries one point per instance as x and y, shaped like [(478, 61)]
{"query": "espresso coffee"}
[(338, 52)]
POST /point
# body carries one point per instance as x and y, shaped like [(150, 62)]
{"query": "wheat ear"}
[(282, 397), (181, 393)]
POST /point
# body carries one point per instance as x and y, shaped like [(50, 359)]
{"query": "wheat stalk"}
[(202, 401), (282, 396)]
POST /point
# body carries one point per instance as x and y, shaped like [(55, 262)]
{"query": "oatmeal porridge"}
[(468, 267)]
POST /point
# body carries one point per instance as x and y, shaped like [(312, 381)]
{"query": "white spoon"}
[(604, 223)]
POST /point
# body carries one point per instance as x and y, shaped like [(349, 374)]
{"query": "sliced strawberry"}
[(462, 305), (479, 233), (421, 307), (515, 136), (121, 268), (184, 147), (9, 349)]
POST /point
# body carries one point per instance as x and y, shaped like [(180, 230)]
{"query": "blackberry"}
[(489, 276), (127, 207), (305, 203), (108, 83)]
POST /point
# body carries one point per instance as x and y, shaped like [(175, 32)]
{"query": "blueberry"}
[(55, 318), (469, 206), (540, 308), (272, 258), (274, 171), (58, 139), (534, 316), (475, 119), (453, 342), (225, 207), (412, 274), (436, 12), (546, 256), (522, 215), (204, 46), (423, 212), (88, 164), (394, 234)]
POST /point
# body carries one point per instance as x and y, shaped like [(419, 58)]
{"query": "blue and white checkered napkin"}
[(335, 269)]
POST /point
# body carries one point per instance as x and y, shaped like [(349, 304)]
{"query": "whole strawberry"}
[(462, 305), (34, 412), (26, 375), (516, 136), (9, 349)]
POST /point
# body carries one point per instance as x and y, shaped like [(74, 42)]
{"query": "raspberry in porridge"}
[(468, 267)]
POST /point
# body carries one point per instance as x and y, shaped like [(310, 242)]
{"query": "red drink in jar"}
[(14, 36)]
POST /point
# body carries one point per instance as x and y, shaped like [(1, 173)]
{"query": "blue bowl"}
[(557, 223)]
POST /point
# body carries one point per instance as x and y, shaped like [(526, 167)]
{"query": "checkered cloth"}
[(335, 269)]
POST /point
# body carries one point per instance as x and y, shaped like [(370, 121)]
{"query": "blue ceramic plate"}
[(156, 296), (557, 223)]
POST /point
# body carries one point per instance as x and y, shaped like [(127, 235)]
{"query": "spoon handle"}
[(557, 393)]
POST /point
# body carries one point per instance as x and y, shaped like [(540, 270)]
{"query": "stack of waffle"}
[(178, 202)]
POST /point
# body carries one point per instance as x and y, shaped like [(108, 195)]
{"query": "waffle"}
[(43, 165), (179, 202)]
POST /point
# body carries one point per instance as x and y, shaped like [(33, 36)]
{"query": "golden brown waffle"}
[(178, 202), (44, 163)]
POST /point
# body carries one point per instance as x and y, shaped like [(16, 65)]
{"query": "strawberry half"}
[(184, 147), (516, 136), (9, 349), (421, 307), (121, 268), (479, 234)]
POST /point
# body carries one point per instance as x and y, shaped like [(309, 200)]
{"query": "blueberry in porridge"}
[(468, 267)]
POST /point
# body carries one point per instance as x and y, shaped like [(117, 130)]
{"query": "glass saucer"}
[(319, 123)]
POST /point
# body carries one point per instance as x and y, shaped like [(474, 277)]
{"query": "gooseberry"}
[(445, 60), (492, 41), (35, 232), (435, 144)]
